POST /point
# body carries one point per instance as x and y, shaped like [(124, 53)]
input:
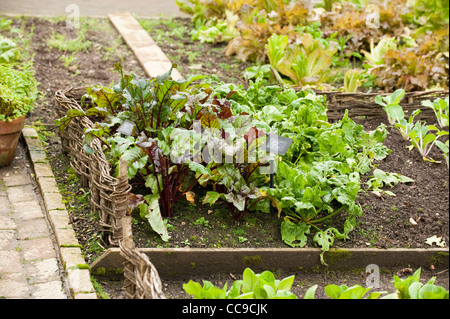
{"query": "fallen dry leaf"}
[(404, 271), (190, 197)]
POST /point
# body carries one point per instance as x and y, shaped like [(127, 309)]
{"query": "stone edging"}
[(75, 267), (152, 59)]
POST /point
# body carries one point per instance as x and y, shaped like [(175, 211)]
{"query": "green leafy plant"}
[(256, 71), (60, 42), (391, 104), (381, 178), (201, 11), (252, 286), (412, 288), (353, 79), (441, 110), (430, 15), (423, 140), (217, 30), (418, 133), (405, 127), (18, 90), (303, 64), (5, 23), (265, 286), (444, 148), (68, 60), (318, 178), (408, 288), (9, 52), (353, 292)]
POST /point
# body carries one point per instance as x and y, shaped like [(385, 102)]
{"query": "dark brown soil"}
[(385, 222)]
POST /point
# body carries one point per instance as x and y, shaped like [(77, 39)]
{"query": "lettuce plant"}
[(412, 288), (303, 64), (265, 286), (217, 30), (444, 149), (353, 79), (353, 292), (376, 54), (252, 286)]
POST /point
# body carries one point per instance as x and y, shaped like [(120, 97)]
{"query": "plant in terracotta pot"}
[(18, 91)]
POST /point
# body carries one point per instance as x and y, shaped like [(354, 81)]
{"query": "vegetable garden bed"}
[(385, 222)]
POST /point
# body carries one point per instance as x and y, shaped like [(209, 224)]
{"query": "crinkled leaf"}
[(294, 234)]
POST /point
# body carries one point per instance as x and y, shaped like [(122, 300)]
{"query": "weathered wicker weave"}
[(362, 104), (141, 277), (108, 194)]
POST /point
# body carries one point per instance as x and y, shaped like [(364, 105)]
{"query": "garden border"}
[(75, 267)]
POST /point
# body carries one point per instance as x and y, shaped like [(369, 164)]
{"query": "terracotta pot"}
[(9, 137)]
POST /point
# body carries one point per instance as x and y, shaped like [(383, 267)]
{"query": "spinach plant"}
[(302, 64), (319, 177)]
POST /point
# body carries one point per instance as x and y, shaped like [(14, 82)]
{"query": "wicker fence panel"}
[(108, 194), (363, 104)]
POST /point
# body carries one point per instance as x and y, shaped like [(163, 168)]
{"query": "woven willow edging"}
[(363, 104), (108, 194), (142, 280), (141, 277)]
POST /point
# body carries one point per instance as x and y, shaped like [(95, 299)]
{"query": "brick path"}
[(29, 263)]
